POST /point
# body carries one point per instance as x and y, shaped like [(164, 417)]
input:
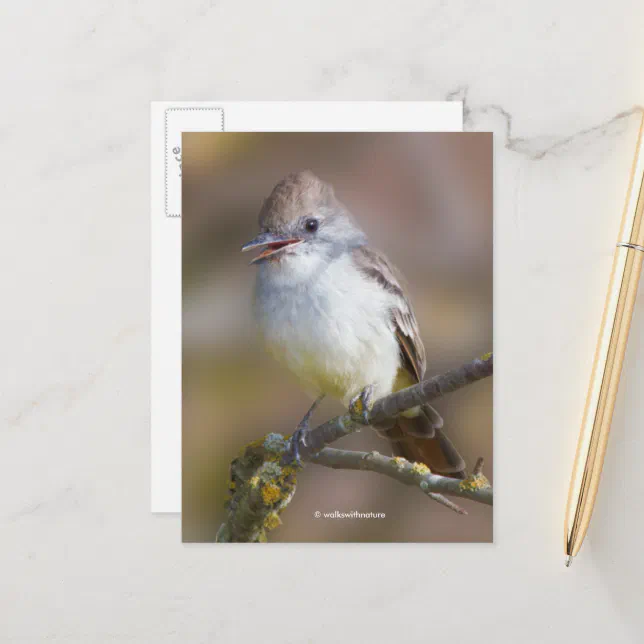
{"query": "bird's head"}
[(303, 225)]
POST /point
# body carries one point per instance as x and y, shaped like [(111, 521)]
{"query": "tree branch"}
[(391, 406), (263, 480), (476, 487), (260, 489), (387, 408)]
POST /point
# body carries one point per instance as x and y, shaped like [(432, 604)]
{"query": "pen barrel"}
[(600, 401), (609, 356)]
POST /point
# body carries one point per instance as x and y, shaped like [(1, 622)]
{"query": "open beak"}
[(272, 244)]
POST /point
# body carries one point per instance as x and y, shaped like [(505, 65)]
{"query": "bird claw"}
[(299, 437), (361, 404)]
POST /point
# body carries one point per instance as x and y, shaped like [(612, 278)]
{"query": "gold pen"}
[(607, 366)]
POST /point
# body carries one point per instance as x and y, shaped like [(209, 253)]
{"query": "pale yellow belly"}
[(323, 378), (334, 376)]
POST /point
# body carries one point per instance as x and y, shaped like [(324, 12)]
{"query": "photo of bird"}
[(335, 312), (337, 374)]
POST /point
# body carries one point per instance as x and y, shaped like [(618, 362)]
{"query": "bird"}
[(334, 311)]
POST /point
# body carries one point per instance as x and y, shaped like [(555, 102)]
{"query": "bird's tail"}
[(421, 440)]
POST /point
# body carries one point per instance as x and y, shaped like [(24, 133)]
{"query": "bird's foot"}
[(361, 404), (299, 436)]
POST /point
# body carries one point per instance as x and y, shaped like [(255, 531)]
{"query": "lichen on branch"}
[(261, 487), (475, 487)]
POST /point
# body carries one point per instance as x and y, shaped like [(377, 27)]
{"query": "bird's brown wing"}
[(377, 267), (417, 439)]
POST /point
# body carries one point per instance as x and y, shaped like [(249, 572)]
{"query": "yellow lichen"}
[(288, 477), (400, 462), (421, 469), (272, 521), (288, 470), (474, 482), (271, 493)]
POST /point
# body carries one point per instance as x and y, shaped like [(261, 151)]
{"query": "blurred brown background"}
[(424, 199)]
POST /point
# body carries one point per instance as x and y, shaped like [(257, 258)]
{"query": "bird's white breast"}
[(332, 329)]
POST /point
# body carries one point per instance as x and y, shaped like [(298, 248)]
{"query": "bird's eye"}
[(311, 225)]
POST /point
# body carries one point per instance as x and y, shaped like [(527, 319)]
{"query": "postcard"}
[(169, 120), (337, 337)]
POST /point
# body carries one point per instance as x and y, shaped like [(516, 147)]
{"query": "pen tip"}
[(569, 561)]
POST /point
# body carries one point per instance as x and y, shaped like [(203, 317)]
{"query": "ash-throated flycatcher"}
[(334, 312)]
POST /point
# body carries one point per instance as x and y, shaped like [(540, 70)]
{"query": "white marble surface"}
[(82, 558)]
